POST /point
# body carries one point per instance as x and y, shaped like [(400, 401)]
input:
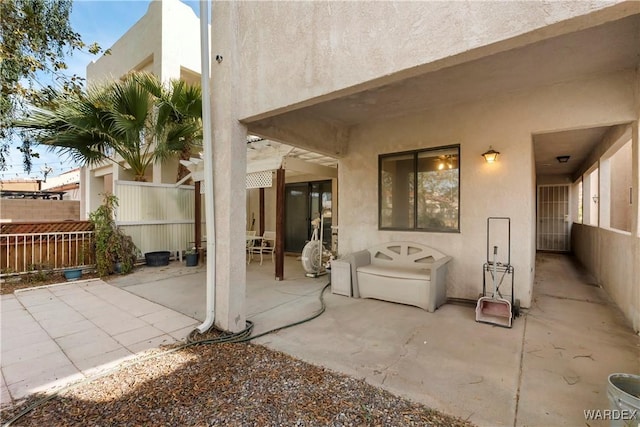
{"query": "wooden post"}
[(198, 218), (280, 224), (261, 192)]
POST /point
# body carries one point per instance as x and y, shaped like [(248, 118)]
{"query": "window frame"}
[(415, 154)]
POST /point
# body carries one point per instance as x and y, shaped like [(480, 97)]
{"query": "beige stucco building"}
[(165, 42), (371, 82), (393, 91)]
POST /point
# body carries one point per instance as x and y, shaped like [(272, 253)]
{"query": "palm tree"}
[(179, 108), (136, 120)]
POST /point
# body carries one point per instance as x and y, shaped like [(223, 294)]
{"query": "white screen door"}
[(553, 218)]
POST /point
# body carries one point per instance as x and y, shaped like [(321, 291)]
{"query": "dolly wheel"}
[(516, 308)]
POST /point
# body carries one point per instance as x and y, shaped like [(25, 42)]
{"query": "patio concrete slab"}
[(546, 370), (549, 368), (575, 338), (58, 334)]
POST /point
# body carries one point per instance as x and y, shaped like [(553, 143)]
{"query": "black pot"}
[(156, 259), (191, 259)]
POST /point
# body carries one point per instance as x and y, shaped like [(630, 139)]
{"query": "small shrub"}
[(111, 244)]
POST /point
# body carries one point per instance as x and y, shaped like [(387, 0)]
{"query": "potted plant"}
[(191, 257), (73, 270), (114, 250), (72, 273)]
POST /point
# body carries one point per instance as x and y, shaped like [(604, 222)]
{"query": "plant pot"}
[(156, 259), (117, 267), (191, 259), (73, 274)]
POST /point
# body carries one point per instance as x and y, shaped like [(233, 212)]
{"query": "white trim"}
[(155, 222), (151, 184)]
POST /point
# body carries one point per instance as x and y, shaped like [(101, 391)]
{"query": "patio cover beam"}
[(310, 133), (299, 165)]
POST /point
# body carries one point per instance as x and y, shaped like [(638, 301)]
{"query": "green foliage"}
[(35, 36), (111, 244), (138, 118), (36, 273)]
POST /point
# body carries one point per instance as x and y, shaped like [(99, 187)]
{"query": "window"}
[(420, 190)]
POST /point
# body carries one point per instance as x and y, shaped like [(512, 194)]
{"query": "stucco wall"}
[(612, 257), (621, 185), (141, 43), (506, 188), (164, 39), (416, 37), (21, 185)]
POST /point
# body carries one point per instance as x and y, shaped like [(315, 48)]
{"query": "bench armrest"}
[(357, 259), (439, 263), (438, 288)]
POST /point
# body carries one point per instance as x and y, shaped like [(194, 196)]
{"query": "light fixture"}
[(445, 161), (490, 155), (563, 159)]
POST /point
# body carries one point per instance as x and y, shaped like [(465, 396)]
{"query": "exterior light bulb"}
[(490, 155)]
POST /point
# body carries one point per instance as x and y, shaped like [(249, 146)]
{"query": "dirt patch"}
[(35, 279), (228, 384)]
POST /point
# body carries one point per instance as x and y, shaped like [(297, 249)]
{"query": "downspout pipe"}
[(208, 167)]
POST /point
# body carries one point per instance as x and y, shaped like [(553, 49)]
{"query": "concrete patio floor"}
[(57, 334), (545, 371)]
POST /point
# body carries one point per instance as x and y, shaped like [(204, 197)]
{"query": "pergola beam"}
[(293, 163)]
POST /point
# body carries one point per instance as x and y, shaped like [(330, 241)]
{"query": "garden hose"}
[(226, 337)]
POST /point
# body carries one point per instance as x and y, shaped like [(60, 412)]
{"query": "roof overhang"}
[(598, 50)]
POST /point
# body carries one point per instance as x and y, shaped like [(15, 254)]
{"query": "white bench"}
[(402, 272)]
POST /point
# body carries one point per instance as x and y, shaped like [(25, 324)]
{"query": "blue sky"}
[(103, 22)]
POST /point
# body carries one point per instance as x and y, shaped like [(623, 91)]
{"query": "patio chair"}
[(267, 246), (250, 242)]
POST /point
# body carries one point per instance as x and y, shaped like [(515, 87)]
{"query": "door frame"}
[(566, 218), (309, 215)]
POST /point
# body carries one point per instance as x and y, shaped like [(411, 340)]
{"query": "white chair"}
[(250, 242), (267, 246)]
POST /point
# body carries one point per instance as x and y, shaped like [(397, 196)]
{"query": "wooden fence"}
[(27, 247)]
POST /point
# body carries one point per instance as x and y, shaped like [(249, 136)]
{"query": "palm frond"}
[(139, 118)]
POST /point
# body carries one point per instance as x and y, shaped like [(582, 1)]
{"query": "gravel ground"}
[(228, 384)]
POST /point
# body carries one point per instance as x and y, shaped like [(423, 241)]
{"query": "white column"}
[(229, 165), (84, 191)]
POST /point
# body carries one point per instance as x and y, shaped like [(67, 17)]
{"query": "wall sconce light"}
[(595, 198), (563, 159), (490, 155)]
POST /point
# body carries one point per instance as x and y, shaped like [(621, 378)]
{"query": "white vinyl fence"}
[(158, 217)]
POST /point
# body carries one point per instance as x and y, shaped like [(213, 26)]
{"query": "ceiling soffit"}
[(602, 49)]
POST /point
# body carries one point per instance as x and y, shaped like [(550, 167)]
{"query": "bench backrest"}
[(405, 254)]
